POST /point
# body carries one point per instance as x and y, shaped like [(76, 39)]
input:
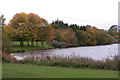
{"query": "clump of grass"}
[(75, 62)]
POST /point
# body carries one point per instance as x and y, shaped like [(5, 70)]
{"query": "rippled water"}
[(94, 52)]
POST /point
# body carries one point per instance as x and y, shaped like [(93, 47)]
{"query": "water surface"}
[(94, 52)]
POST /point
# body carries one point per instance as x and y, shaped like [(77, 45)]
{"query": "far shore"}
[(64, 48)]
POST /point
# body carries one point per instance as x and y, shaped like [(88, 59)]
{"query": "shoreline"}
[(62, 48)]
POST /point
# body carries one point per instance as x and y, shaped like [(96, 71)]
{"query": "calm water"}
[(94, 52)]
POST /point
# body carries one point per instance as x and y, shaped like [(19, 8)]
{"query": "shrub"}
[(8, 58), (6, 43), (59, 44)]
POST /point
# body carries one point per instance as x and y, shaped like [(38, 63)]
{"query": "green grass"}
[(25, 43), (11, 70), (16, 46)]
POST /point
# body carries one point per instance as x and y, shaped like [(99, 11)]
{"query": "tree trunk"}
[(21, 43), (32, 44), (37, 43), (42, 43), (28, 43), (49, 43)]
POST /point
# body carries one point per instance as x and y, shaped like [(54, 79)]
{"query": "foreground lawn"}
[(29, 71), (16, 46)]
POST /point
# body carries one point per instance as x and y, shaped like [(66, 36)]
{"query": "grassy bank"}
[(11, 70), (16, 46), (73, 61)]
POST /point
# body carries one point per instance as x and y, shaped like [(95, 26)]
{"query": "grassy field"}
[(16, 46), (11, 70), (25, 43)]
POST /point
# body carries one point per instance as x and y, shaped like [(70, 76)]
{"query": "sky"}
[(99, 13)]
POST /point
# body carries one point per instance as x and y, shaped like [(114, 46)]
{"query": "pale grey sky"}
[(99, 13)]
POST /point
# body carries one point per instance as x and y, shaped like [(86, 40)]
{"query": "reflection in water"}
[(94, 52)]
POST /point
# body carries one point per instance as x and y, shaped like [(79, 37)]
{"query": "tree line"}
[(31, 27), (87, 35)]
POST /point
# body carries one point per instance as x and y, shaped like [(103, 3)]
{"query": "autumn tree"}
[(66, 35), (33, 23), (46, 33), (40, 29), (16, 28), (29, 27), (113, 31), (91, 35), (82, 38), (104, 38), (70, 37)]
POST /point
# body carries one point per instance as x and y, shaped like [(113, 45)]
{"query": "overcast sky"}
[(99, 13)]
